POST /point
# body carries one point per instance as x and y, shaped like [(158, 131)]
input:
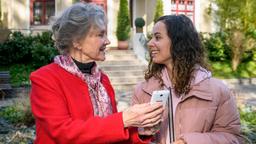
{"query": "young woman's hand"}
[(143, 115), (179, 141)]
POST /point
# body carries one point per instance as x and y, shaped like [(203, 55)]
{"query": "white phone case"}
[(160, 96)]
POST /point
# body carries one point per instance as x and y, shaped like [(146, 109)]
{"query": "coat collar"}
[(151, 85), (200, 90)]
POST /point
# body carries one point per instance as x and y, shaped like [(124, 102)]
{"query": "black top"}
[(84, 67)]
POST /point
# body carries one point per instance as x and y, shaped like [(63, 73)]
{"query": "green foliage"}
[(139, 22), (19, 113), (216, 46), (22, 54), (75, 1), (20, 49), (248, 121), (159, 10), (16, 49), (219, 54), (236, 14), (123, 21), (20, 74), (43, 50), (224, 70), (237, 19)]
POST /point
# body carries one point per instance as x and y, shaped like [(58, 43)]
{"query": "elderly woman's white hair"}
[(74, 24)]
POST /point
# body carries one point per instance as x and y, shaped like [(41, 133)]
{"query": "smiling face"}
[(160, 45), (92, 47)]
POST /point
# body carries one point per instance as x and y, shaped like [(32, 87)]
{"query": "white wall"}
[(150, 11), (112, 10), (167, 7), (60, 5), (203, 21), (17, 12)]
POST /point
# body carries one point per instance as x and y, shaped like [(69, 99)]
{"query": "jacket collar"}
[(201, 90), (151, 85)]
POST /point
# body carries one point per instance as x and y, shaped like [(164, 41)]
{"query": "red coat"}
[(63, 111)]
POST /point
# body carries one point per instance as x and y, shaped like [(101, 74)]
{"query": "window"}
[(41, 11), (186, 7)]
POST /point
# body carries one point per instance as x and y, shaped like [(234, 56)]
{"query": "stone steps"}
[(125, 70), (129, 73), (121, 57), (122, 67), (119, 62), (131, 79)]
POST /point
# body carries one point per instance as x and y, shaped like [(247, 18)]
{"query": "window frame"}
[(178, 3)]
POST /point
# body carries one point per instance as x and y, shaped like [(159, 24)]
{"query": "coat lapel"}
[(151, 85)]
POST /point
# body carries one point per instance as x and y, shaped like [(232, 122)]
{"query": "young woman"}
[(203, 108)]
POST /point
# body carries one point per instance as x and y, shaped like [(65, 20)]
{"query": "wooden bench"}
[(4, 83)]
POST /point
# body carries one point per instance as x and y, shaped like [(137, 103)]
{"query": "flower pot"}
[(37, 22), (139, 30), (123, 45)]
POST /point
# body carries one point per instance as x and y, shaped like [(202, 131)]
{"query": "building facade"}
[(195, 9), (36, 15)]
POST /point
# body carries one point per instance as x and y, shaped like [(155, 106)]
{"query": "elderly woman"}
[(203, 108), (72, 99)]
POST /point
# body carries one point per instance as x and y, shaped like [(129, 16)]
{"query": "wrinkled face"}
[(93, 46), (160, 44)]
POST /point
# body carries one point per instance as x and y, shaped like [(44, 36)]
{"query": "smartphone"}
[(160, 96)]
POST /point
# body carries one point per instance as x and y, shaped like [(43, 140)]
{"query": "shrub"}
[(16, 49), (42, 54), (20, 49), (20, 74), (159, 10), (123, 21), (248, 121), (139, 22), (216, 46), (19, 113)]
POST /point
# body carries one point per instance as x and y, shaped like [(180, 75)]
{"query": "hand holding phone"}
[(160, 96)]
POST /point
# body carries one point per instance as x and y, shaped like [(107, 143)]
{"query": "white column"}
[(197, 14), (167, 7), (112, 10)]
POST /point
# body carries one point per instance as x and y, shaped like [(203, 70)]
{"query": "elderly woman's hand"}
[(143, 115), (147, 131)]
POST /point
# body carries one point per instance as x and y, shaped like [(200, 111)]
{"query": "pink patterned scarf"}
[(98, 94)]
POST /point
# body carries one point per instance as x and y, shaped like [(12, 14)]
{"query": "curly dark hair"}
[(186, 52)]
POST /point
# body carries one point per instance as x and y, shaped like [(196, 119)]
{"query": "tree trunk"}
[(236, 42), (235, 63)]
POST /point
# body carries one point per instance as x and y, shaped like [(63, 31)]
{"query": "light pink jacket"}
[(206, 115)]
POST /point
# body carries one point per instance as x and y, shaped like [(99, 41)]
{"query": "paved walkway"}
[(245, 94)]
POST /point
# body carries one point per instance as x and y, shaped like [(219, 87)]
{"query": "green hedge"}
[(248, 121), (216, 46), (32, 50), (21, 54), (123, 21), (219, 55), (18, 113), (158, 10)]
